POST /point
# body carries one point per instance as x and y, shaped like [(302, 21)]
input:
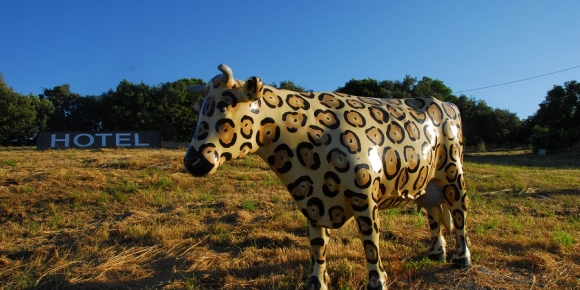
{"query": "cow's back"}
[(335, 150)]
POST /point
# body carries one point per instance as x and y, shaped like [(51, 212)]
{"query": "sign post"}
[(101, 139)]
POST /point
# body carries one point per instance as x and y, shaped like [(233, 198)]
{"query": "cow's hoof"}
[(437, 257), (460, 263), (314, 284), (378, 287), (375, 281)]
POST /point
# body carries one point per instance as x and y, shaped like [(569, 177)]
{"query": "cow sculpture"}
[(341, 157)]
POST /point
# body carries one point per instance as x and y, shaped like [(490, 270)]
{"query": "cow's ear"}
[(253, 89), (198, 90)]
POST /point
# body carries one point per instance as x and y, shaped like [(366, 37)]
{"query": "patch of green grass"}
[(103, 199), (151, 171), (33, 228), (243, 177), (251, 162), (248, 203), (515, 175), (9, 162), (26, 281), (390, 213), (418, 265), (78, 197), (120, 191), (563, 238), (78, 220), (573, 220), (183, 196), (55, 221), (220, 232), (489, 224), (203, 196), (160, 198), (164, 182), (419, 219), (271, 180), (28, 189), (515, 224), (190, 282), (343, 268)]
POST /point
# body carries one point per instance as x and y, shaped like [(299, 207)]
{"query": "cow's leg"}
[(456, 195), (318, 238), (437, 249), (438, 214), (368, 225)]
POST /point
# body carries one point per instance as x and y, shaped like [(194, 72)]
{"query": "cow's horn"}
[(227, 75), (198, 90)]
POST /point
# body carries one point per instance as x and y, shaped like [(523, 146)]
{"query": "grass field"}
[(134, 219)]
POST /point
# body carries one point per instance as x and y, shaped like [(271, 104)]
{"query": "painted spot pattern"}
[(343, 157)]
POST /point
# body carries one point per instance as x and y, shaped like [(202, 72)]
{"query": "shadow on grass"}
[(179, 272), (165, 274), (560, 160)]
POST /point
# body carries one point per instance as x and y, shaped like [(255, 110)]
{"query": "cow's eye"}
[(222, 107)]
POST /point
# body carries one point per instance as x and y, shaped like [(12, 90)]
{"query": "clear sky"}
[(319, 45)]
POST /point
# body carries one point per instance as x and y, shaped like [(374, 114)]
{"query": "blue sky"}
[(319, 45)]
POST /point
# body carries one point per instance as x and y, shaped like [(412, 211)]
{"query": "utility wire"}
[(502, 84)]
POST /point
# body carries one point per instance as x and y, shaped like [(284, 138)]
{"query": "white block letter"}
[(104, 138), (119, 139), (137, 141), (53, 141), (91, 140)]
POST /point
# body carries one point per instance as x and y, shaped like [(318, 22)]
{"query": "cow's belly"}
[(406, 187), (331, 202), (346, 184)]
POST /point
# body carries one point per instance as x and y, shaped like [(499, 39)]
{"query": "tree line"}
[(167, 107)]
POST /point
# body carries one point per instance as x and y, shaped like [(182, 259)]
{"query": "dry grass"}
[(133, 219)]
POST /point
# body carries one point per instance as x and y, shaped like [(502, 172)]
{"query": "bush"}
[(481, 147), (550, 138)]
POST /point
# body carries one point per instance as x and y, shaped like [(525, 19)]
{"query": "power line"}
[(502, 84)]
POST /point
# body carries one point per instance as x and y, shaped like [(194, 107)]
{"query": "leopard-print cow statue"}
[(341, 156)]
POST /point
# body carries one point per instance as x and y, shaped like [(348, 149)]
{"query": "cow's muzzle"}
[(195, 163)]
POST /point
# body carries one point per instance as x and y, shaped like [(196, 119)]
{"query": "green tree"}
[(434, 88), (560, 107), (365, 87), (483, 124), (17, 116), (44, 110), (167, 108), (70, 109), (87, 114), (558, 118), (404, 89), (127, 107), (508, 125), (400, 89), (172, 109), (291, 86)]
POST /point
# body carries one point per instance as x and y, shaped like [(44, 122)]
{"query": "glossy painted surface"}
[(340, 156)]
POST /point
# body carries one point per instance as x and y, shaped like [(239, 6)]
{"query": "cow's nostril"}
[(195, 163)]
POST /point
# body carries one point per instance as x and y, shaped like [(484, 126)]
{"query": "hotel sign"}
[(101, 139)]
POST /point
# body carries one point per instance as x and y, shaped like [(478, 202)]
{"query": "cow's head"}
[(227, 125)]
